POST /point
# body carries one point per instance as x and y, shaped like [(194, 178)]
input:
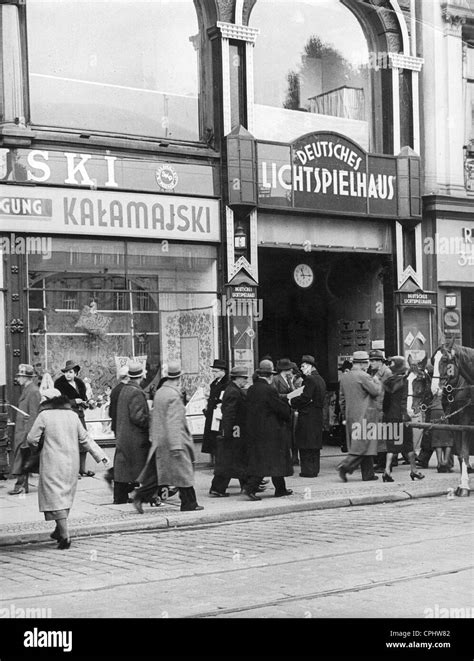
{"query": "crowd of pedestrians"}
[(256, 427)]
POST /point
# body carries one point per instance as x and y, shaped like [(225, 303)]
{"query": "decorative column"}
[(12, 86), (414, 64)]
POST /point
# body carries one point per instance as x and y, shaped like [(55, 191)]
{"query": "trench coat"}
[(268, 432), (358, 392), (217, 388), (59, 459), (131, 439), (169, 432), (29, 403), (231, 454), (309, 426)]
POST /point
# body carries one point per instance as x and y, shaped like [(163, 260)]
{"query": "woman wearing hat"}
[(217, 387), (28, 404), (395, 412), (62, 433), (74, 389)]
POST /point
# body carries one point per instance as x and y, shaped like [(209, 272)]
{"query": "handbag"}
[(32, 463)]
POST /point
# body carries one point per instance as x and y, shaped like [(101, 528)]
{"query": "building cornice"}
[(239, 32)]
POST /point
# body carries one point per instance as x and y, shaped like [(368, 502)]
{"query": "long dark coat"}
[(309, 426), (395, 410), (114, 395), (231, 454), (169, 432), (29, 403), (131, 438), (268, 432), (217, 388), (358, 394)]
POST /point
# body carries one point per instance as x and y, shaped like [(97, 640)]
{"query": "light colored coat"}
[(169, 431), (59, 458), (29, 403), (358, 392)]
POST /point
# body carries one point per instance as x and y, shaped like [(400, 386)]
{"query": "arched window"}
[(311, 69), (115, 66)]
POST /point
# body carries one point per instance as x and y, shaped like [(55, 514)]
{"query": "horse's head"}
[(445, 368), (419, 382)]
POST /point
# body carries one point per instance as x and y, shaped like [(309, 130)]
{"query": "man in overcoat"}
[(131, 438), (172, 447), (216, 390), (28, 403), (231, 455), (309, 426), (358, 392), (114, 395), (381, 369), (284, 384), (268, 434)]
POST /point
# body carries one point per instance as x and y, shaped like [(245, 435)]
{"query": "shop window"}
[(116, 67), (148, 304), (313, 75)]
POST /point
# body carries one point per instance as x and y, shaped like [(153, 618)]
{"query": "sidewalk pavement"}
[(93, 512)]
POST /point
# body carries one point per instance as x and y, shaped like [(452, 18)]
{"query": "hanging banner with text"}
[(114, 214), (327, 172)]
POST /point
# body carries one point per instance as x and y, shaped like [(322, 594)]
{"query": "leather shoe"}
[(342, 474), (192, 509), (217, 494), (308, 475), (287, 492), (252, 496), (64, 543), (370, 479), (16, 491), (138, 505)]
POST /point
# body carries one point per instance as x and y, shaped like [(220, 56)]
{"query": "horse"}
[(453, 373)]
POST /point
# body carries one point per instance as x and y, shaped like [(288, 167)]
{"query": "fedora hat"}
[(25, 370), (308, 359), (284, 364), (135, 370), (376, 354), (219, 365), (71, 365), (239, 371), (265, 368), (174, 369), (360, 357)]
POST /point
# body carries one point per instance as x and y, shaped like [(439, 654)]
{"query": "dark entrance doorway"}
[(298, 320)]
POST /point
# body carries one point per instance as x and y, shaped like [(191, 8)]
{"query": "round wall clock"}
[(303, 275)]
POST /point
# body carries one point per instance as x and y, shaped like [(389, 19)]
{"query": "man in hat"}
[(114, 395), (74, 388), (131, 435), (172, 447), (28, 404), (284, 384), (231, 455), (218, 385), (358, 392), (268, 433), (309, 427), (378, 366)]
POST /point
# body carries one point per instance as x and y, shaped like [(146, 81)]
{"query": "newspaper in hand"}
[(295, 393)]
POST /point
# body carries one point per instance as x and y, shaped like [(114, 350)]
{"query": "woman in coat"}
[(395, 413), (268, 434), (217, 387), (309, 426), (74, 389), (62, 434)]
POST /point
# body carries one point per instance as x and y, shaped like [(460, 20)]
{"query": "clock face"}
[(451, 318), (303, 275)]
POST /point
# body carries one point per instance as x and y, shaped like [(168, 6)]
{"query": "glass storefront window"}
[(312, 75), (102, 302), (116, 66)]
